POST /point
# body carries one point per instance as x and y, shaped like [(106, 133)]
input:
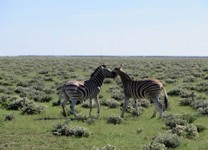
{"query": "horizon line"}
[(179, 56)]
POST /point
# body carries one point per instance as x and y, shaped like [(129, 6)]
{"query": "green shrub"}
[(32, 108), (139, 130), (91, 120), (174, 92), (199, 104), (190, 118), (190, 131), (9, 117), (16, 104), (64, 130), (169, 140), (115, 120), (109, 147), (144, 103), (185, 101), (80, 132), (154, 146), (204, 111), (48, 79), (200, 128), (171, 121), (111, 103), (117, 95), (170, 81)]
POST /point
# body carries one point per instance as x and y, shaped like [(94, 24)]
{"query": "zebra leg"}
[(136, 105), (98, 105), (64, 107), (126, 102), (73, 103), (90, 107), (159, 106)]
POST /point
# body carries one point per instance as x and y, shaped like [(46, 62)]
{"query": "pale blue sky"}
[(104, 27)]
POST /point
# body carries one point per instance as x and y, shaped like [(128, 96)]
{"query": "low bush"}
[(64, 130), (171, 121), (139, 130), (32, 107), (190, 131), (204, 111), (109, 147), (174, 92), (9, 117), (91, 120), (144, 103), (190, 118), (16, 104), (154, 146), (111, 103), (185, 101), (115, 120), (169, 140), (200, 128), (170, 81), (117, 95)]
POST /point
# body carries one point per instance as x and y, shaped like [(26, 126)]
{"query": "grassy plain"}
[(36, 78)]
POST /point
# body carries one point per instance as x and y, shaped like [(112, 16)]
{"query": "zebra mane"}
[(125, 74), (96, 70)]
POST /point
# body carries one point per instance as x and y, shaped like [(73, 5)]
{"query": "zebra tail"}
[(166, 101)]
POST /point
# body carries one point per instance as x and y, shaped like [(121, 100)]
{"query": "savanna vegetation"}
[(29, 121)]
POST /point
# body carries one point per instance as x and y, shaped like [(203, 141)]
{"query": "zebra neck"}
[(124, 77), (98, 80)]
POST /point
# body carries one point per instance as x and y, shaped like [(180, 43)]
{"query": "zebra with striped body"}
[(148, 89), (82, 90)]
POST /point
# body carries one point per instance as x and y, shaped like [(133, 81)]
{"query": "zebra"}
[(138, 89), (82, 90)]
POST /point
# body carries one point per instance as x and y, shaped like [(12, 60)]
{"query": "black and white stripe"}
[(82, 90), (142, 89)]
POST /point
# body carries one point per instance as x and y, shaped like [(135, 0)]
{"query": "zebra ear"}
[(104, 66), (121, 66)]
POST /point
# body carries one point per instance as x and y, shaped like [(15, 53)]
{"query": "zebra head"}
[(118, 70), (104, 72)]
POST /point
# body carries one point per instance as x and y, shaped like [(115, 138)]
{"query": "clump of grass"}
[(91, 120), (139, 130), (174, 92), (200, 128), (64, 130), (115, 120), (9, 117)]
